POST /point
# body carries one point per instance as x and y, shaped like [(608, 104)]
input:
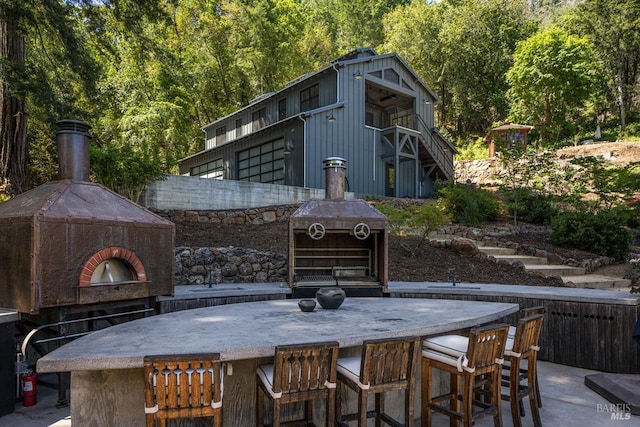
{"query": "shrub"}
[(469, 205), (472, 150), (602, 233), (531, 207), (417, 220)]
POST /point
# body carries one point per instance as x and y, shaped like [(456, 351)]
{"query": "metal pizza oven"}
[(337, 242), (72, 242)]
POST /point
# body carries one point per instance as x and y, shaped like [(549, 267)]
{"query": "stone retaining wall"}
[(262, 215), (480, 172), (202, 266)]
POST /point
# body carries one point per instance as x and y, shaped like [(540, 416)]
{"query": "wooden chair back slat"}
[(300, 368), (182, 386), (530, 311), (486, 345), (386, 361), (527, 335)]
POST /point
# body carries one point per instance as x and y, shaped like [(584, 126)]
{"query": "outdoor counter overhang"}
[(106, 366), (252, 330)]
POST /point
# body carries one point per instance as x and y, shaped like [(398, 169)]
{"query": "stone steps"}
[(527, 260), (596, 281), (556, 270), (495, 251), (572, 276)]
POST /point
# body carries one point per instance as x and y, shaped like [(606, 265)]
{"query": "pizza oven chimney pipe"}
[(73, 140)]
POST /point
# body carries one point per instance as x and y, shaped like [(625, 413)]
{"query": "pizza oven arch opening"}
[(112, 265), (112, 271)]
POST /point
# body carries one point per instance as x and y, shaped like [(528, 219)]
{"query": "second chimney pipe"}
[(73, 140), (335, 171)]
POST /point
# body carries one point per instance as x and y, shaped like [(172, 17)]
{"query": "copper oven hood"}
[(72, 242)]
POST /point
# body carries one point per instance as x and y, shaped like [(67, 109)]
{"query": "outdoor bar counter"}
[(107, 386)]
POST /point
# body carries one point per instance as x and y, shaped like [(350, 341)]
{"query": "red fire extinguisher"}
[(29, 392)]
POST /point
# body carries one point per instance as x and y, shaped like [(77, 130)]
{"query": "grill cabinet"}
[(338, 242)]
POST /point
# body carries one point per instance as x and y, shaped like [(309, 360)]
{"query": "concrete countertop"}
[(8, 315), (227, 290), (601, 296), (252, 330), (621, 296)]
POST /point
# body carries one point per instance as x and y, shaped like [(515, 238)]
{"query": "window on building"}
[(238, 128), (368, 118), (391, 75), (212, 169), (221, 135), (282, 109), (264, 163), (258, 119), (390, 180), (310, 98)]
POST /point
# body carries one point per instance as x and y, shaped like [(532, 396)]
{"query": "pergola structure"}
[(512, 132)]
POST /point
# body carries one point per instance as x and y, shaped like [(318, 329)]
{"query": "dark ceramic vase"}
[(307, 305), (330, 298)]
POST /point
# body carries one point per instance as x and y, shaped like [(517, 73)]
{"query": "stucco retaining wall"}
[(192, 193)]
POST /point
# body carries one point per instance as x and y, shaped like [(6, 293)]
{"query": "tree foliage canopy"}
[(148, 74), (552, 75)]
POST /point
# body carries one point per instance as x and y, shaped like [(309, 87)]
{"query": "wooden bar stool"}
[(466, 359), (523, 347), (512, 332), (385, 365), (299, 373), (183, 386)]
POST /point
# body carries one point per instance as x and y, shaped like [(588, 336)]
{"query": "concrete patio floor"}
[(567, 401)]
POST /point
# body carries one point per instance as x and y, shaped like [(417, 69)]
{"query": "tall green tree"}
[(42, 64), (612, 27), (413, 30), (552, 76), (480, 37), (13, 118), (144, 86), (47, 73), (463, 49), (359, 22), (269, 36)]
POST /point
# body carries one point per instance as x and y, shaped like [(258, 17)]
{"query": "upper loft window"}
[(221, 135), (310, 98), (258, 119), (282, 109), (238, 128), (392, 76)]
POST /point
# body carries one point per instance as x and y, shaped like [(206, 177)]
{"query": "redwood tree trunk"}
[(13, 120)]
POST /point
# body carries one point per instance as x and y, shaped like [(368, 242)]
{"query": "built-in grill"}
[(76, 256), (337, 241)]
